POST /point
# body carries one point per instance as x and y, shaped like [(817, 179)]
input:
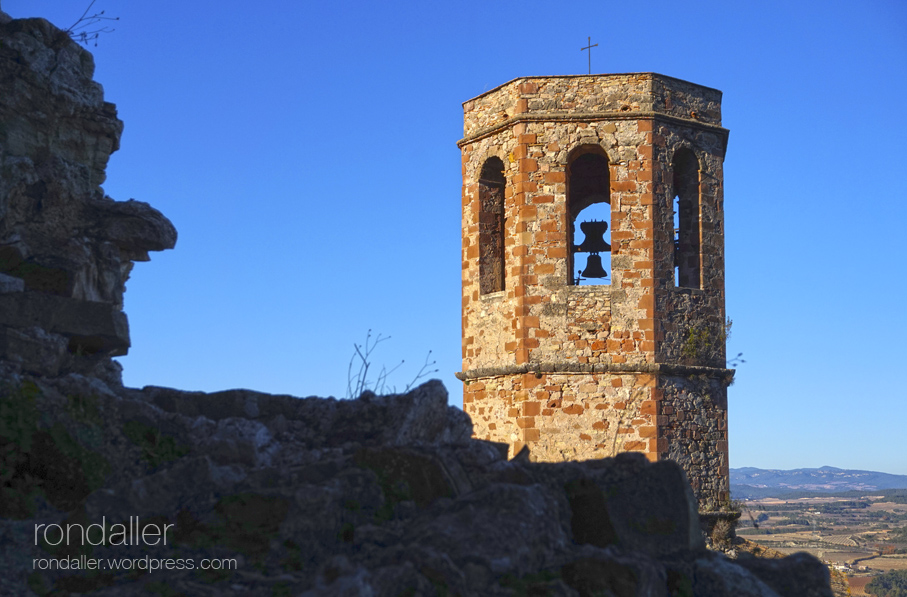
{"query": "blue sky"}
[(306, 152)]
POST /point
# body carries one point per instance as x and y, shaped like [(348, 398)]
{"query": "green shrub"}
[(38, 458), (890, 584), (157, 449)]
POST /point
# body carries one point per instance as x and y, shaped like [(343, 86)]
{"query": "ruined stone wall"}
[(576, 372), (66, 249)]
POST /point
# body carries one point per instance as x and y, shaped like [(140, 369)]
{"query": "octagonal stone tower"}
[(636, 362)]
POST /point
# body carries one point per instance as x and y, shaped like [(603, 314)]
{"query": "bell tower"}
[(593, 271)]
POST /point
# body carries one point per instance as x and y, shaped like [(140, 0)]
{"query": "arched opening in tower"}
[(686, 207), (491, 226), (589, 213)]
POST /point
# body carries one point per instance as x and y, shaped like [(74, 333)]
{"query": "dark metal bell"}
[(595, 237), (594, 267)]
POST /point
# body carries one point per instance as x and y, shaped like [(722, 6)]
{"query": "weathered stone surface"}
[(91, 327), (65, 248), (11, 284), (714, 575), (33, 349), (319, 496), (797, 575)]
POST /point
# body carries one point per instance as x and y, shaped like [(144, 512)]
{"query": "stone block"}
[(92, 327), (11, 284), (33, 349)]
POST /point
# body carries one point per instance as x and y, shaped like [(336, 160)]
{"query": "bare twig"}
[(360, 382), (423, 372), (83, 30)]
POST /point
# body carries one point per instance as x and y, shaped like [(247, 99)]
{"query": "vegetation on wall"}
[(40, 458), (702, 346)]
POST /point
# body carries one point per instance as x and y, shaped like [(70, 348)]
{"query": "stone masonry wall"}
[(693, 417), (582, 94), (536, 295), (565, 416), (576, 372), (690, 317), (585, 416), (537, 298)]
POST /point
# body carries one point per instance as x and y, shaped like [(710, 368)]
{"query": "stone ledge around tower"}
[(570, 367)]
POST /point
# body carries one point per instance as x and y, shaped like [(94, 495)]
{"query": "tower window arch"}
[(589, 217), (491, 226), (686, 204)]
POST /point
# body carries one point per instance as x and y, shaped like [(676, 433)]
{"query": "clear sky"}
[(306, 152)]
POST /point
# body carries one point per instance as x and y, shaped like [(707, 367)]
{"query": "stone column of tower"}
[(576, 371)]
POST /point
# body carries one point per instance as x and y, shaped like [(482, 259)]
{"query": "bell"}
[(594, 267), (595, 237)]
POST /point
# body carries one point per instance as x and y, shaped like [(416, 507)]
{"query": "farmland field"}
[(864, 533)]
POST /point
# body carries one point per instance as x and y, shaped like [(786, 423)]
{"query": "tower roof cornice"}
[(588, 98), (652, 75)]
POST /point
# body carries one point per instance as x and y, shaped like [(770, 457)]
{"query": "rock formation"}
[(66, 249), (375, 496)]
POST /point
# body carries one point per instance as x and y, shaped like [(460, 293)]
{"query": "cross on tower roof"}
[(589, 47)]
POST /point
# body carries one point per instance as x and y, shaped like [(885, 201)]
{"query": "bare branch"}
[(356, 385), (82, 30)]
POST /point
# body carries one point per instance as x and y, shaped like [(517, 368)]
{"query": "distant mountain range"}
[(749, 482)]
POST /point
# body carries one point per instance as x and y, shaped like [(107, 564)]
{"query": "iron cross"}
[(589, 47)]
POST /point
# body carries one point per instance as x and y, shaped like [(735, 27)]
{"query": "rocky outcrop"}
[(65, 248), (376, 496), (107, 490)]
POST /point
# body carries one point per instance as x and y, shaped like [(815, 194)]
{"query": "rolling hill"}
[(749, 482)]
